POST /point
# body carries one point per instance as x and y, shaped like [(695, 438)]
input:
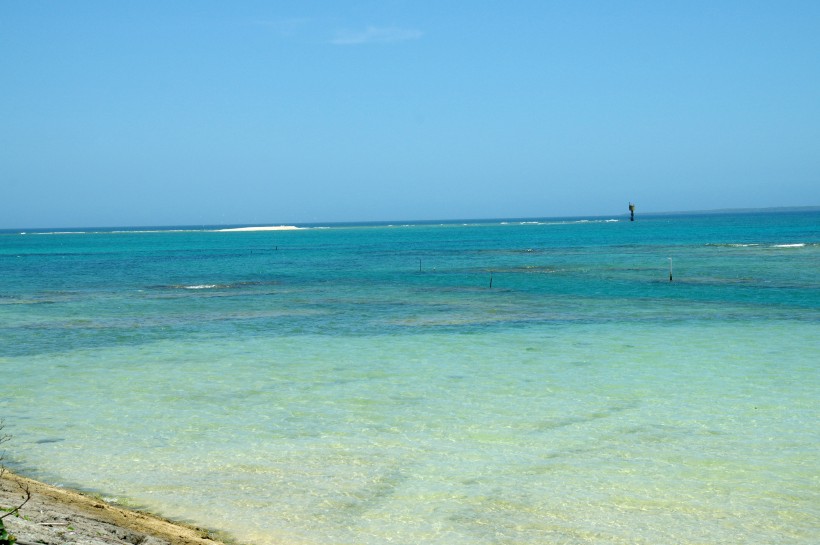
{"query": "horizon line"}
[(205, 226)]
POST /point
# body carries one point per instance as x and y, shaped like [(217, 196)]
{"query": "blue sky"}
[(208, 112)]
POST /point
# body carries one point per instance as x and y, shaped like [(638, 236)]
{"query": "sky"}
[(274, 112)]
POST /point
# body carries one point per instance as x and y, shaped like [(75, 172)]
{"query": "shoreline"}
[(56, 516)]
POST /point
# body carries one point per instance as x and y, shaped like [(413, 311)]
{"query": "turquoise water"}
[(366, 385)]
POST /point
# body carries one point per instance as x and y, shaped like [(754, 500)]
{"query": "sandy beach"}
[(57, 516)]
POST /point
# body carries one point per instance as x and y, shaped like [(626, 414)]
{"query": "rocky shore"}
[(57, 516)]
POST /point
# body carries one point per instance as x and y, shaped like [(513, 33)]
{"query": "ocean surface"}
[(460, 383)]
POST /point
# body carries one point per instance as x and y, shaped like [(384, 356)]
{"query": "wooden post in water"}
[(670, 269), (491, 279), (631, 212)]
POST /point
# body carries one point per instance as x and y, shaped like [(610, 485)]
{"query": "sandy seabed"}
[(58, 516)]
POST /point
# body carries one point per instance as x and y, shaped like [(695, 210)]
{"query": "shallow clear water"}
[(358, 385)]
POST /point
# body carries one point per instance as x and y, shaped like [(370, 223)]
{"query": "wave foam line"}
[(264, 228), (61, 233)]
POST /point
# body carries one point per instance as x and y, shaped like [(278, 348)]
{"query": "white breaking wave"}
[(575, 222), (154, 231), (754, 244), (264, 228)]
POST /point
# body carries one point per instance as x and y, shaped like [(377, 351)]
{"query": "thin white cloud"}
[(376, 35)]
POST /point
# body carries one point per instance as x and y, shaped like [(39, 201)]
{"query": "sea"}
[(522, 381)]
